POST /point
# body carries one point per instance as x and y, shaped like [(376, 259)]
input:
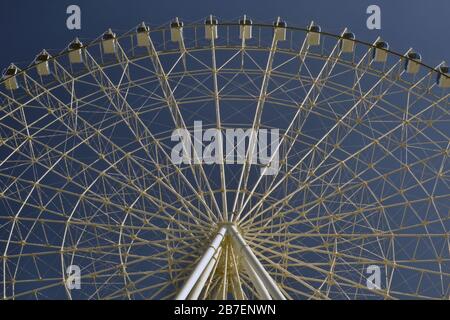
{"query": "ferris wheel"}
[(353, 178)]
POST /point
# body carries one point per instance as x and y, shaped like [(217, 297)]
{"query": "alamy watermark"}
[(73, 280), (374, 20), (206, 147), (73, 21), (373, 282)]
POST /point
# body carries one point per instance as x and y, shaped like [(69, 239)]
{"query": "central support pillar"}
[(261, 279), (202, 266), (252, 261)]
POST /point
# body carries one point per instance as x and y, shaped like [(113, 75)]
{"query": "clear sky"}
[(28, 25)]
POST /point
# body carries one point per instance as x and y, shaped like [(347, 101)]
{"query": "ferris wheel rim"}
[(233, 24)]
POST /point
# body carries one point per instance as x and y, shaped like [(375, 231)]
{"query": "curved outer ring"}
[(263, 25)]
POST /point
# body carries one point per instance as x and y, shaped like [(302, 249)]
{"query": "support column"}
[(265, 286), (254, 263), (195, 293), (202, 265), (261, 289)]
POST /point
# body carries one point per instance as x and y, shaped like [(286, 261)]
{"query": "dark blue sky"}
[(28, 25)]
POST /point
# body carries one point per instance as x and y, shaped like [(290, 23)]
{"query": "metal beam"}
[(265, 285), (202, 265), (200, 284), (263, 293), (238, 201), (219, 127), (254, 264)]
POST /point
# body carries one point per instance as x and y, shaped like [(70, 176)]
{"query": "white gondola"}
[(10, 77), (142, 35), (211, 28), (109, 42), (380, 52), (412, 62), (42, 65), (348, 42), (313, 36), (245, 28), (176, 30), (75, 53), (279, 29), (443, 77)]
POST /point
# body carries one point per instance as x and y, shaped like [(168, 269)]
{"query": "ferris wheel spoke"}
[(328, 135), (138, 122), (178, 119), (320, 270), (374, 142), (129, 156), (144, 276), (316, 87), (215, 71), (74, 160), (242, 185), (334, 148), (395, 263)]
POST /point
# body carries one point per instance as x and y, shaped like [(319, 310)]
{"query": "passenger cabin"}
[(42, 65), (75, 51), (176, 31), (348, 42), (10, 77), (380, 52), (109, 42), (142, 35), (443, 77), (245, 28), (412, 62), (211, 28), (313, 35), (279, 29)]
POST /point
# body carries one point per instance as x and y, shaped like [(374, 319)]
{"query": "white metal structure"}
[(87, 177)]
